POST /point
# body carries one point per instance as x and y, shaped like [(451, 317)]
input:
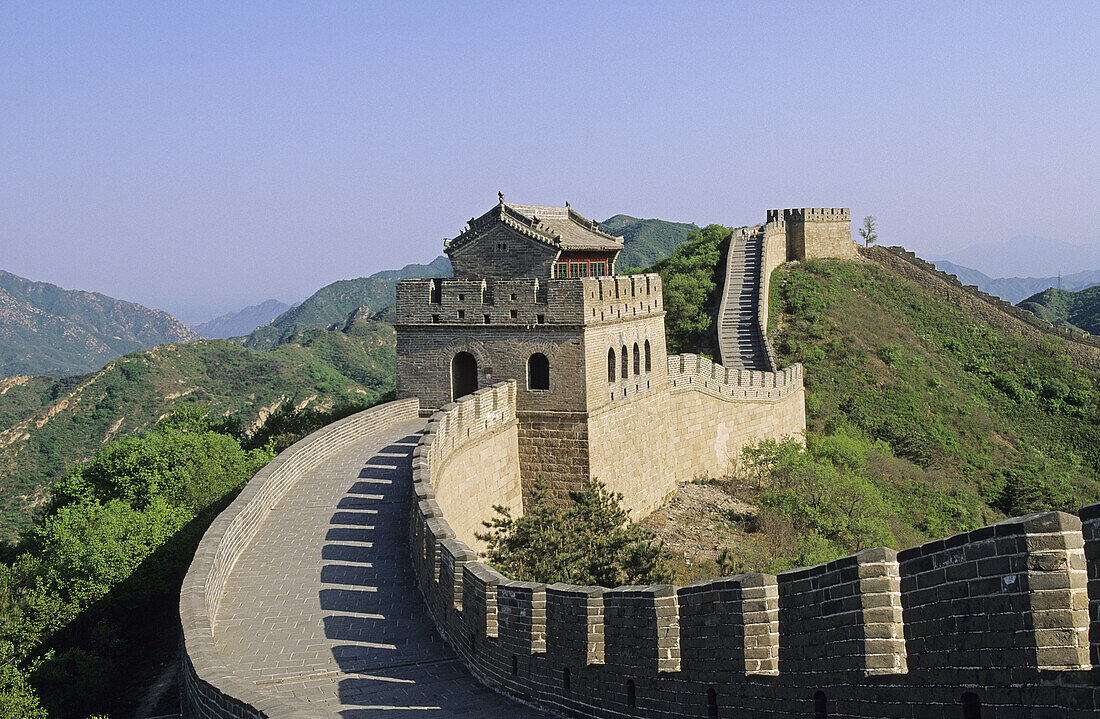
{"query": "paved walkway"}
[(323, 606)]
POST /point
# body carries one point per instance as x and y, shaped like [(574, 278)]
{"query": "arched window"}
[(626, 365), (637, 360), (821, 709), (712, 702), (648, 361), (631, 694), (972, 706), (565, 680), (538, 371), (463, 375), (611, 365)]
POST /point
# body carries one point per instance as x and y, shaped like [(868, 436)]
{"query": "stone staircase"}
[(740, 339)]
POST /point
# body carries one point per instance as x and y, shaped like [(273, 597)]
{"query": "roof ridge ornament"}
[(500, 196)]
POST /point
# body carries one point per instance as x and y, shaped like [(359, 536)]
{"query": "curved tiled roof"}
[(559, 227)]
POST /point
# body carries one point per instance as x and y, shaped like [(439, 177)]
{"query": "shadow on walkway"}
[(374, 612)]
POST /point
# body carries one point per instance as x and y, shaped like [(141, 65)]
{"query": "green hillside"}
[(922, 421), (1078, 311), (645, 241), (45, 329), (48, 425), (332, 303)]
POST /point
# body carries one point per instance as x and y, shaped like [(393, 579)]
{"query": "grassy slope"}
[(1062, 308), (645, 241), (958, 408), (48, 425)]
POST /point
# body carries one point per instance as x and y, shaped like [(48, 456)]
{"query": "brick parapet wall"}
[(994, 311), (1090, 530), (767, 645), (209, 689), (768, 263), (690, 372), (1013, 595)]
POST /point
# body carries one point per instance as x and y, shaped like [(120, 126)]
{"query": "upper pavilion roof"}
[(560, 227)]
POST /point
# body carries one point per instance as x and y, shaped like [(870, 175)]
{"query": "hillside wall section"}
[(720, 411), (1003, 618), (1083, 349)]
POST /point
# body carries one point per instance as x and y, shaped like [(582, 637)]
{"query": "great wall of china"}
[(317, 593)]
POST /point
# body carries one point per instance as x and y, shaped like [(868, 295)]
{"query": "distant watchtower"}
[(534, 299)]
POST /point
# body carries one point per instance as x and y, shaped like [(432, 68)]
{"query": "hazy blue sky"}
[(198, 157)]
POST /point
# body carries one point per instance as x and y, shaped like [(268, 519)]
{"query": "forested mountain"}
[(45, 329), (241, 323), (1015, 289), (1073, 310), (645, 241), (48, 425)]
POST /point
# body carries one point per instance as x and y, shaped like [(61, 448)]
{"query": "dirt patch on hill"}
[(698, 521)]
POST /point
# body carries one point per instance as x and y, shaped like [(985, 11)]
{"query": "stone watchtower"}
[(534, 299)]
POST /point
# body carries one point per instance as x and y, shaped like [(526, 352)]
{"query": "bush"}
[(592, 541), (89, 597), (689, 277)]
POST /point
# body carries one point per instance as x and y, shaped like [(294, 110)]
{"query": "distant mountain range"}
[(1078, 311), (1025, 257), (1015, 289), (47, 330), (47, 425), (239, 324)]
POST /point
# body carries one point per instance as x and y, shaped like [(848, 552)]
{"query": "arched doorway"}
[(538, 372), (463, 375)]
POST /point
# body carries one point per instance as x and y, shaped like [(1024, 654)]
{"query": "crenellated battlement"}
[(528, 301), (994, 612), (811, 214), (692, 372)]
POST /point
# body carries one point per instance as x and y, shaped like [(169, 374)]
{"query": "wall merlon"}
[(849, 610), (994, 588), (574, 624), (641, 629)]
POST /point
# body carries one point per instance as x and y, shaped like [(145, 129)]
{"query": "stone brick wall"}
[(1002, 613), (993, 311), (994, 616), (1011, 595), (208, 687), (632, 449), (718, 411), (478, 458), (1090, 530), (554, 448)]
